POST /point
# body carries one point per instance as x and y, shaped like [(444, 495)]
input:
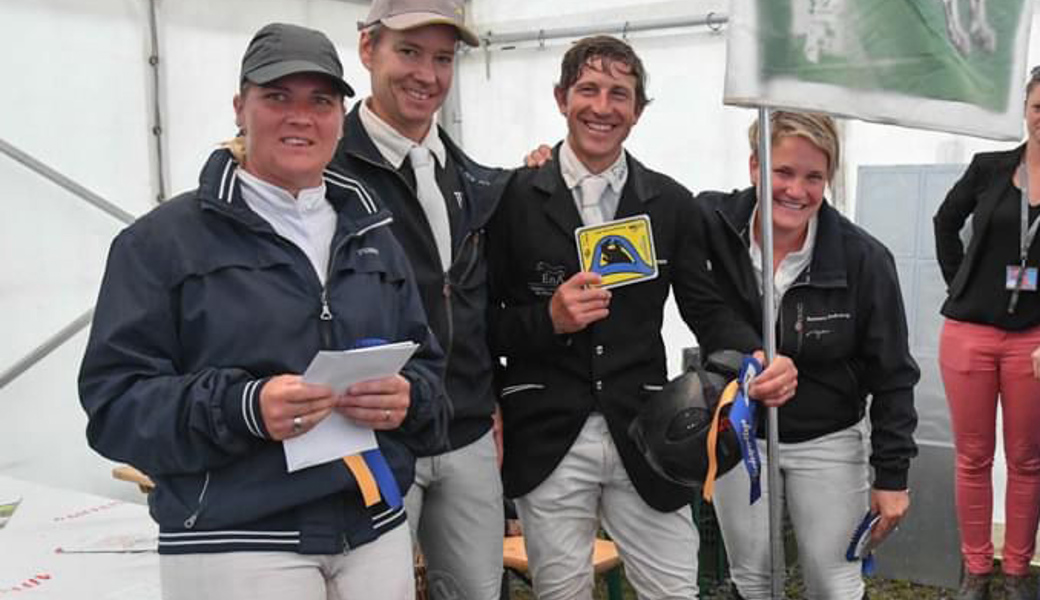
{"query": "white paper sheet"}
[(338, 436)]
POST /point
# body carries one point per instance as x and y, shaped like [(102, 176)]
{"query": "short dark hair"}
[(607, 50)]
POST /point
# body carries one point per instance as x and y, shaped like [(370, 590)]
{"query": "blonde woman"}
[(840, 318)]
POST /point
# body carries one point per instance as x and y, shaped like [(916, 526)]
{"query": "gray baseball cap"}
[(281, 49), (409, 14)]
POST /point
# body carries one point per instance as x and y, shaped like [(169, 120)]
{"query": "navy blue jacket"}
[(202, 302)]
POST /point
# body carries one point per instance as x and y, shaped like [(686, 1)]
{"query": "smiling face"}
[(291, 128), (411, 74), (799, 179), (601, 110)]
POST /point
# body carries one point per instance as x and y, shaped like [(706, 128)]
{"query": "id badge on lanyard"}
[(1021, 278)]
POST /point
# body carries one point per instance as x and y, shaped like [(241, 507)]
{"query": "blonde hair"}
[(237, 146), (816, 128)]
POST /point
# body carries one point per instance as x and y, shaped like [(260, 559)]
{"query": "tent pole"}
[(156, 92), (765, 213), (713, 20), (43, 350), (54, 176)]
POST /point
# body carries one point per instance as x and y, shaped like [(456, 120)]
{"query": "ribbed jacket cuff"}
[(242, 408), (890, 479)]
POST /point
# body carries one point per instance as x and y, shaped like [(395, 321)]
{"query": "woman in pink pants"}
[(985, 352)]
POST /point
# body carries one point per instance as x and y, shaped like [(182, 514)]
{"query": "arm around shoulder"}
[(697, 293)]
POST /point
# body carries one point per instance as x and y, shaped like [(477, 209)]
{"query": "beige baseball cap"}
[(409, 14)]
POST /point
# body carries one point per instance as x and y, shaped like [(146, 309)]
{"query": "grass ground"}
[(878, 589), (712, 562)]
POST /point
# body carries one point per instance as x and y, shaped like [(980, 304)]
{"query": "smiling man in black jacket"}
[(440, 201), (582, 360)]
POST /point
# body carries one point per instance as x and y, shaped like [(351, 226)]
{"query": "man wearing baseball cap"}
[(441, 201)]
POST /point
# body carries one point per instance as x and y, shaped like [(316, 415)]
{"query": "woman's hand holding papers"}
[(380, 404), (290, 407)]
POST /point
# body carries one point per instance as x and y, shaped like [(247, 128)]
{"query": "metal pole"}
[(765, 215), (54, 176), (713, 20), (157, 121), (41, 352)]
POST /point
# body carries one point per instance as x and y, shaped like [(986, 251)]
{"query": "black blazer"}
[(843, 323), (986, 181), (456, 301), (553, 382)]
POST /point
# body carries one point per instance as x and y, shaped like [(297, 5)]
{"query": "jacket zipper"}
[(326, 317), (799, 327), (446, 282), (799, 323), (450, 318), (189, 523)]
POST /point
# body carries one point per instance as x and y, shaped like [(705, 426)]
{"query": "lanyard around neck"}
[(1026, 235)]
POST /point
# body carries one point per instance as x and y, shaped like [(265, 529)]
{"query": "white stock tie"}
[(592, 188), (432, 201)]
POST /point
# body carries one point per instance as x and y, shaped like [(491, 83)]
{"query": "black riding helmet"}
[(672, 428)]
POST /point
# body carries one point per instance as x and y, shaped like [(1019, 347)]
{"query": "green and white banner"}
[(949, 65)]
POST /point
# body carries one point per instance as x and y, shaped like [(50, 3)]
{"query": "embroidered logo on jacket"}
[(548, 278)]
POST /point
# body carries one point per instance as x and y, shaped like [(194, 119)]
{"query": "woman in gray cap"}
[(211, 307)]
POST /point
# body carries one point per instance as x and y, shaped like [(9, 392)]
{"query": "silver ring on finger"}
[(386, 414), (297, 424)]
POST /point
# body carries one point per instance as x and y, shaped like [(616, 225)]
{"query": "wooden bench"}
[(128, 473), (605, 561)]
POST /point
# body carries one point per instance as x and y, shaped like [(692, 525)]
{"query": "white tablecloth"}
[(62, 545)]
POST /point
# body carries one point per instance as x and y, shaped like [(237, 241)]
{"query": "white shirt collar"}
[(280, 200), (392, 144), (573, 170), (792, 265)]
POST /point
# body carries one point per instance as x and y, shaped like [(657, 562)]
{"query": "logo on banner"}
[(950, 65)]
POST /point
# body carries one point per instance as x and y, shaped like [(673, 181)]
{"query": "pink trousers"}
[(981, 367)]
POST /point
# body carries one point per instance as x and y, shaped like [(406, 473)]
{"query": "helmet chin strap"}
[(729, 394)]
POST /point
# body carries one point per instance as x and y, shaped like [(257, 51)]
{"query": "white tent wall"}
[(79, 99)]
